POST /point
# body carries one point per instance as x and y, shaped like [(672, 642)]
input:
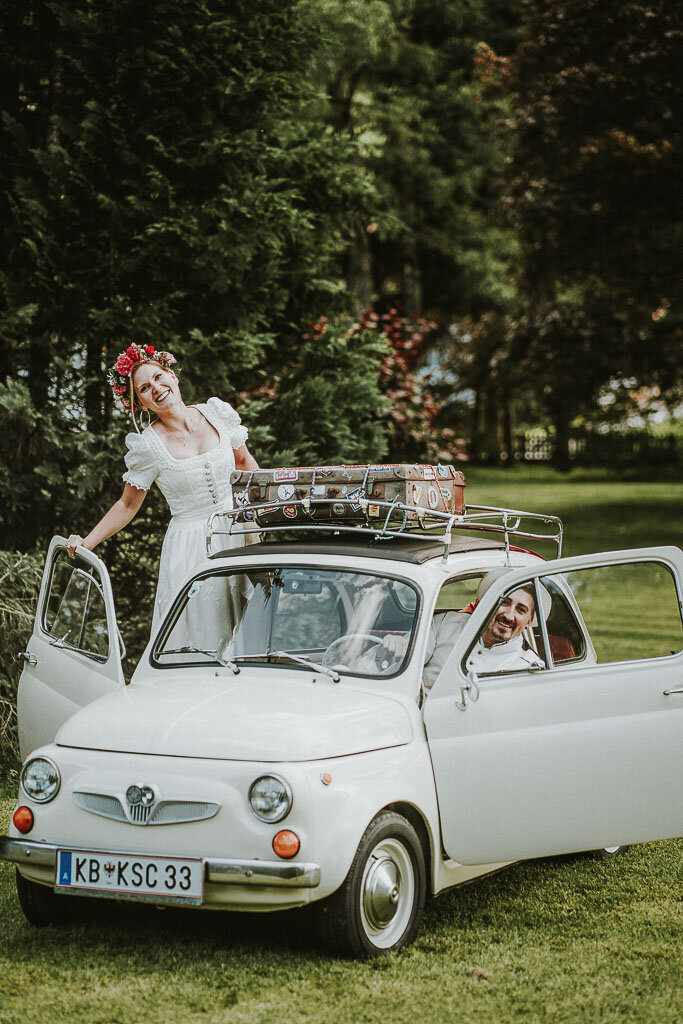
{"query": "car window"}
[(307, 618), (74, 613), (565, 636), (459, 594), (598, 615), (332, 617), (630, 611)]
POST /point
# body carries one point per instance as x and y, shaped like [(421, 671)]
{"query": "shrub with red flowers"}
[(414, 406), (351, 390)]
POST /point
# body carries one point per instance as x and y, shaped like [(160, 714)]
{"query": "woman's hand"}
[(73, 542), (118, 516)]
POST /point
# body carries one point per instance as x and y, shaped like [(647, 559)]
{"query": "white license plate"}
[(169, 878)]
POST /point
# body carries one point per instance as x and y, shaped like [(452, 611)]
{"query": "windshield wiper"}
[(297, 659), (223, 662)]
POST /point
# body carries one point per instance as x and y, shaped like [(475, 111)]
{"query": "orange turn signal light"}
[(22, 819), (286, 844)]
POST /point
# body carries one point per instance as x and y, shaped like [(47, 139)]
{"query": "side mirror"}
[(471, 687)]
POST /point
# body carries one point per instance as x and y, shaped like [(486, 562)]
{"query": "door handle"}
[(667, 692), (29, 658)]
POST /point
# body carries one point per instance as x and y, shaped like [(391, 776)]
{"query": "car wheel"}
[(610, 851), (379, 906), (40, 903)]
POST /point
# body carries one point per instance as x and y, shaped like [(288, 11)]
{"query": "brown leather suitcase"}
[(347, 493)]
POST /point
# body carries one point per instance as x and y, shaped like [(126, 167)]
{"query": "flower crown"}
[(119, 377)]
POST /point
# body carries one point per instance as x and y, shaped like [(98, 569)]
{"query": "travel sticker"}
[(353, 497), (290, 511), (285, 492), (433, 497)]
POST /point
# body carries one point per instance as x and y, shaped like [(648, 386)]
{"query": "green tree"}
[(162, 180), (155, 187), (399, 77), (595, 196)]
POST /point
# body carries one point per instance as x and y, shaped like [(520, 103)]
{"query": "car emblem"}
[(140, 795)]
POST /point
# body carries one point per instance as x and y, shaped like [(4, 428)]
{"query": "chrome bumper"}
[(284, 874)]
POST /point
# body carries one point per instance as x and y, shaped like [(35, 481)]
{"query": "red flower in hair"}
[(124, 364), (133, 353), (149, 350), (119, 389)]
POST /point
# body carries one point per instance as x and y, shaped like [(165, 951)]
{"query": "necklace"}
[(181, 437)]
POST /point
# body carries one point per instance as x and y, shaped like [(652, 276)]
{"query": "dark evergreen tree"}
[(162, 181), (596, 199), (400, 78)]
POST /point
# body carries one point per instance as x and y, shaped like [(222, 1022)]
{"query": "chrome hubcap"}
[(387, 893), (382, 892)]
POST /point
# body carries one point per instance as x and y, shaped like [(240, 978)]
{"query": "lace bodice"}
[(194, 485)]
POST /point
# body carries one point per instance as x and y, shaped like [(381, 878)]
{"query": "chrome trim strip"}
[(294, 875), (283, 874), (25, 851), (131, 897)]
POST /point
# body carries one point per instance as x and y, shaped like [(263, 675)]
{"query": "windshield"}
[(334, 618)]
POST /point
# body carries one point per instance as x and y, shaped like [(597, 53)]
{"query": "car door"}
[(585, 752), (73, 656)]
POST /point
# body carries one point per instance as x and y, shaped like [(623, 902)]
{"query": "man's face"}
[(513, 614)]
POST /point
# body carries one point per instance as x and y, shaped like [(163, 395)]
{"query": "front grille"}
[(169, 811), (100, 803), (140, 813), (166, 812)]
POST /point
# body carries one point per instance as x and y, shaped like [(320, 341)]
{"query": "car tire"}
[(609, 851), (379, 906), (40, 903)]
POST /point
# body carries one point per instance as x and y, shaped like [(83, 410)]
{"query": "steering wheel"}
[(334, 654), (372, 647)]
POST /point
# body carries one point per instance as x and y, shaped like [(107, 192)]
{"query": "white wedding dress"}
[(194, 488)]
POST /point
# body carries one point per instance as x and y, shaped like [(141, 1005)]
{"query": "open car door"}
[(585, 752), (73, 656)]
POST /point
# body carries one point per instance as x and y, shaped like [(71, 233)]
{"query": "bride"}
[(189, 451)]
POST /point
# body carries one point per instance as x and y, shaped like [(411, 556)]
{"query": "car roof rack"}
[(390, 519)]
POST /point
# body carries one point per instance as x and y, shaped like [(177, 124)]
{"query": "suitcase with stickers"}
[(347, 493)]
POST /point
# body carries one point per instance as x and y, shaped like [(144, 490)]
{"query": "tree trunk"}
[(506, 425), (561, 453), (359, 276), (492, 441)]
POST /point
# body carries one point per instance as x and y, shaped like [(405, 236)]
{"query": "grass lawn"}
[(562, 941)]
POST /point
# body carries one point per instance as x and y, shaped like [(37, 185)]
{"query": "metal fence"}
[(628, 448)]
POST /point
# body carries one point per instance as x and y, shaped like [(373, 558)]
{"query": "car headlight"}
[(40, 779), (270, 798)]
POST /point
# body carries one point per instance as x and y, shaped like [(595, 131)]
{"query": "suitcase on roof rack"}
[(347, 493)]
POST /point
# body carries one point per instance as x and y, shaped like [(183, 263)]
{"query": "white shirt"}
[(444, 631)]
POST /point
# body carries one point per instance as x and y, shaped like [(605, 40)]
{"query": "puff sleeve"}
[(230, 420), (142, 468)]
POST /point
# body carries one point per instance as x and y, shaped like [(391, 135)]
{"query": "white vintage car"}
[(271, 752)]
